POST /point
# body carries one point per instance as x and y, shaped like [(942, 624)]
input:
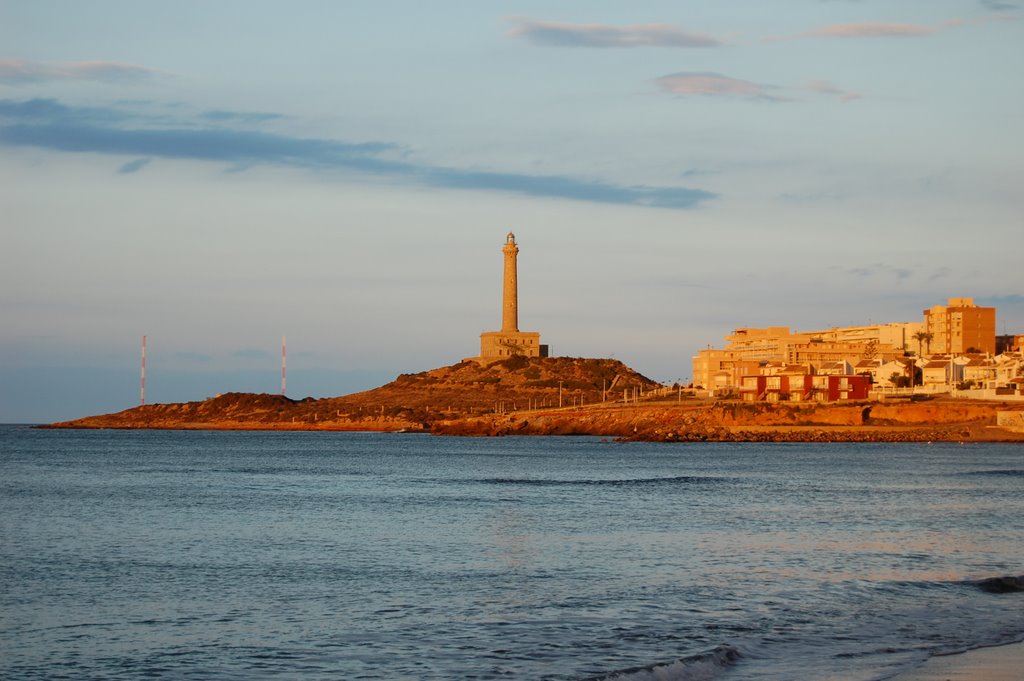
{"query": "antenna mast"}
[(284, 365), (142, 374)]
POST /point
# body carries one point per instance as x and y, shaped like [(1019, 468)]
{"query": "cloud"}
[(877, 29), (999, 6), (872, 29), (24, 71), (824, 87), (240, 117), (200, 144), (41, 110), (48, 124), (698, 172), (813, 197), (877, 269), (134, 166), (1000, 300), (715, 85), (554, 34), (252, 353), (193, 356), (553, 186)]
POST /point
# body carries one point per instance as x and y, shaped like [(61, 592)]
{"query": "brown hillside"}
[(474, 386), (411, 401)]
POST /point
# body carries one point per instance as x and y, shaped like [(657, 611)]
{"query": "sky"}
[(217, 175)]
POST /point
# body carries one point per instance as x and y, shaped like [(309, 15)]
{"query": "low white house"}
[(936, 373)]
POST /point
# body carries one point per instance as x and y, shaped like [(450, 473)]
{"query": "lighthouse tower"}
[(510, 290), (510, 341)]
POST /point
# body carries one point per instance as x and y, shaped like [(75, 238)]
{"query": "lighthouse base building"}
[(503, 344), (510, 341)]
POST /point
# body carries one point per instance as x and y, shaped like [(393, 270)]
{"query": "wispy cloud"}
[(824, 87), (876, 270), (43, 110), (24, 71), (698, 172), (1005, 299), (134, 166), (230, 146), (219, 116), (999, 5), (716, 85), (813, 197), (880, 29), (48, 124), (251, 353), (554, 34), (873, 29), (193, 356)]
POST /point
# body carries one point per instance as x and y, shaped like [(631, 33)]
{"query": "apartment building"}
[(960, 326), (955, 328), (747, 349)]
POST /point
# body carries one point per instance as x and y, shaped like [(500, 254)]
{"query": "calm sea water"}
[(205, 555)]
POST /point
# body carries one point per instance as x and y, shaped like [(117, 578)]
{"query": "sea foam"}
[(703, 667)]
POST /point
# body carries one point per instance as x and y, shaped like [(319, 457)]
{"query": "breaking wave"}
[(703, 667)]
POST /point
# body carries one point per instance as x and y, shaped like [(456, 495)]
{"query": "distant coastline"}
[(567, 396)]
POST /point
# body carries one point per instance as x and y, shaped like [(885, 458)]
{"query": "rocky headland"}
[(569, 396)]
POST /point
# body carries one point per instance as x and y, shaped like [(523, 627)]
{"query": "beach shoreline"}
[(994, 663)]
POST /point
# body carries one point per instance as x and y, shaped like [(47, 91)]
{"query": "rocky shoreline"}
[(600, 397), (944, 420), (738, 422)]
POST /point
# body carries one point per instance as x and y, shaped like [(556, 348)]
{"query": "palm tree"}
[(923, 337)]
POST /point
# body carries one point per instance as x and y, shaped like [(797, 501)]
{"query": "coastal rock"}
[(1002, 585)]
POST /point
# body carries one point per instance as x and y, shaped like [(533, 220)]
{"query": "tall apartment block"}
[(959, 326)]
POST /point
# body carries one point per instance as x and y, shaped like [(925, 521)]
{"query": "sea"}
[(316, 555)]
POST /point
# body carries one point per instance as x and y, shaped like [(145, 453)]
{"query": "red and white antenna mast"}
[(284, 365), (142, 374)]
